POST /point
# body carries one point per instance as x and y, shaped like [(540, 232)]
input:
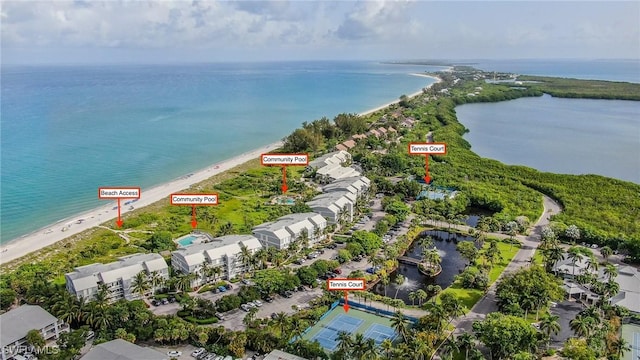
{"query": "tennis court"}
[(355, 321), (631, 333)]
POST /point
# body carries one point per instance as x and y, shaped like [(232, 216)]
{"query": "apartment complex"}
[(335, 206), (223, 252), (282, 232), (15, 324), (357, 185), (117, 277), (333, 166)]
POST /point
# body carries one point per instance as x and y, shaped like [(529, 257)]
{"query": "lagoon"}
[(571, 136)]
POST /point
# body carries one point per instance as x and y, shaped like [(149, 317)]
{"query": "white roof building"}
[(16, 323), (332, 204), (357, 185), (333, 158), (629, 296), (285, 230), (119, 349), (335, 172), (117, 276), (224, 252), (281, 355)]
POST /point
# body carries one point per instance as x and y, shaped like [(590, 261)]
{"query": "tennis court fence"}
[(376, 310)]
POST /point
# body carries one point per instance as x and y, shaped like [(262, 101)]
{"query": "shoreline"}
[(73, 225)]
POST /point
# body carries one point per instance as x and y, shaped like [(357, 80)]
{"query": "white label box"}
[(194, 199)]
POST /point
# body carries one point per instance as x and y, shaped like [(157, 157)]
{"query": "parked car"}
[(299, 261), (165, 301), (220, 316), (172, 299), (287, 294), (155, 302), (258, 303), (268, 299), (228, 286), (332, 246), (204, 355), (222, 288), (174, 353), (337, 271), (301, 288), (197, 352), (245, 307)]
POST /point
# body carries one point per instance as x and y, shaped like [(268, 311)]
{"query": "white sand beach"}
[(53, 233), (409, 96)]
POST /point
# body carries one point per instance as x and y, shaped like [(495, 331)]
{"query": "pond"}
[(452, 264), (473, 215)]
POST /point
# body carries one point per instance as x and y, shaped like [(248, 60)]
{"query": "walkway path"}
[(487, 303)]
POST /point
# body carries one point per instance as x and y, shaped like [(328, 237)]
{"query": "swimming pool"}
[(187, 241)]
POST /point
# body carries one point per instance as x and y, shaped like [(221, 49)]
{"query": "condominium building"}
[(357, 185), (282, 232), (224, 252), (15, 324), (334, 205), (117, 277)]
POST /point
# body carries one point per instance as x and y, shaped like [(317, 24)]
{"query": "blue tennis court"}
[(379, 333), (328, 335)]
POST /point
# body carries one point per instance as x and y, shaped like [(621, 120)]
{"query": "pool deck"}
[(631, 333)]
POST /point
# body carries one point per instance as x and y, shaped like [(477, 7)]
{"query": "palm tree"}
[(303, 237), (448, 348), (399, 280), (140, 284), (401, 324), (101, 298), (421, 295), (245, 258), (384, 279), (606, 252), (621, 346), (358, 346), (157, 281), (412, 297), (217, 271), (465, 342), (581, 325), (205, 271), (550, 325), (387, 346), (281, 320), (574, 254), (370, 350), (345, 343), (552, 255), (610, 271)]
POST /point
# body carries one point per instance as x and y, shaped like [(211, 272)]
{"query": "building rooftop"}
[(338, 171), (85, 277), (281, 355), (333, 158), (15, 324), (295, 222), (119, 349), (228, 245)]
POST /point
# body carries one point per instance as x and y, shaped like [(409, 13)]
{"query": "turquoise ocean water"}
[(66, 130)]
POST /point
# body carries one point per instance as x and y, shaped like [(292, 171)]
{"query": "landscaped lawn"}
[(470, 297)]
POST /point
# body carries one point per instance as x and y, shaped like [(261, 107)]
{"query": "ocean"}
[(67, 130)]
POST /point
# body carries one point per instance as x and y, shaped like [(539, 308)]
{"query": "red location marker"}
[(119, 221), (427, 178), (346, 301), (194, 222), (284, 179)]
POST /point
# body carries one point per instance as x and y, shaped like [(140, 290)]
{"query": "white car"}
[(197, 352), (174, 353), (258, 303)]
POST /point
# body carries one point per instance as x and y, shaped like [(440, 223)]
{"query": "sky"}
[(216, 31)]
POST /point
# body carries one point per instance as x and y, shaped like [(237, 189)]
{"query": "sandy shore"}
[(409, 96), (53, 233)]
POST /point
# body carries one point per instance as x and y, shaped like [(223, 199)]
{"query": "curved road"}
[(488, 303)]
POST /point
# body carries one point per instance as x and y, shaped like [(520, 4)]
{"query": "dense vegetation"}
[(574, 88)]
